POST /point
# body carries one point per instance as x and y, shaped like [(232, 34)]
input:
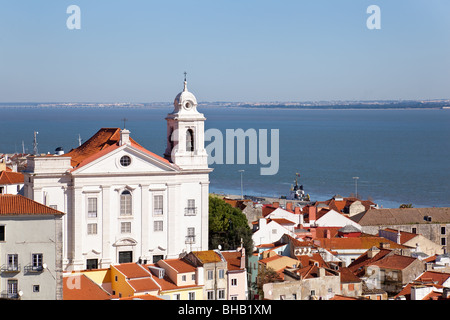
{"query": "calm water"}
[(400, 156)]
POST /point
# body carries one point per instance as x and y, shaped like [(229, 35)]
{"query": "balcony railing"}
[(190, 211), (10, 268), (33, 269), (9, 295)]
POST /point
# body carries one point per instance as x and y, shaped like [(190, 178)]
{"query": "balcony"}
[(33, 269), (190, 211), (9, 295), (10, 268)]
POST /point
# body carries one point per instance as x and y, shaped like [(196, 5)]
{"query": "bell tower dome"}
[(186, 133)]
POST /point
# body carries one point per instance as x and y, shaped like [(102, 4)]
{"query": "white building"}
[(30, 250), (11, 182), (125, 203)]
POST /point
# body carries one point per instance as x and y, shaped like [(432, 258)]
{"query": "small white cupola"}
[(185, 101)]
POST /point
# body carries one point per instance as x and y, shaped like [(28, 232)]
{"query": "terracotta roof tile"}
[(80, 287), (395, 261), (101, 143), (207, 256), (132, 270), (179, 265), (347, 276), (19, 205), (142, 297), (9, 177), (143, 284), (103, 139), (355, 243), (233, 259)]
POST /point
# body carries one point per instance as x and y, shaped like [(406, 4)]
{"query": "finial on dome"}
[(185, 82)]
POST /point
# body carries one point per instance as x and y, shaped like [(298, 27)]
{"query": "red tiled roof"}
[(179, 265), (233, 260), (142, 297), (101, 143), (144, 284), (132, 270), (395, 261), (357, 266), (347, 276), (434, 277), (9, 177), (428, 278), (80, 287), (103, 139), (307, 260), (355, 243), (282, 221), (404, 236), (207, 256), (19, 205)]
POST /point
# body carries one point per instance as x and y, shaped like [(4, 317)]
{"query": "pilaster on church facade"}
[(124, 203)]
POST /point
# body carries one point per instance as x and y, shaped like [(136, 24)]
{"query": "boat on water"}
[(297, 192)]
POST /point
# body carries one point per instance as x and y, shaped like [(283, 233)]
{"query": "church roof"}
[(101, 143)]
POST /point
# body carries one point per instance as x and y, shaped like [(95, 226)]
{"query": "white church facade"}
[(124, 203)]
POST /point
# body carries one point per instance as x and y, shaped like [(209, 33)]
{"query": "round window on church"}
[(125, 161)]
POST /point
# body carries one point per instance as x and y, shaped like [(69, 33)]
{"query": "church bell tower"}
[(186, 133)]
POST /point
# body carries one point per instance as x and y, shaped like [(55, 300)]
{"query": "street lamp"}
[(356, 186), (242, 187)]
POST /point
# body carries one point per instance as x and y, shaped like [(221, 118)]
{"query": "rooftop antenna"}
[(35, 144), (124, 122), (79, 140)]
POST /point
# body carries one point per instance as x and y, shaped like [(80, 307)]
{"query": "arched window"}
[(189, 140), (125, 203)]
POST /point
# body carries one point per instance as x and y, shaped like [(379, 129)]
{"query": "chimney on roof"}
[(398, 237), (385, 245), (124, 136), (321, 272), (289, 206), (312, 210)]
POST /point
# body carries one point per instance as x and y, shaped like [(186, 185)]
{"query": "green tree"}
[(228, 226), (266, 275)]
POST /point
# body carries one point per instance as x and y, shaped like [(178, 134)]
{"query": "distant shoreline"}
[(322, 105)]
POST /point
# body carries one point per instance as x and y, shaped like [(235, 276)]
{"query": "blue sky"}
[(246, 50)]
